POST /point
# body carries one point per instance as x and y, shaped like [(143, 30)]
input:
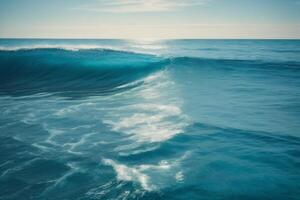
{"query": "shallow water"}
[(173, 119)]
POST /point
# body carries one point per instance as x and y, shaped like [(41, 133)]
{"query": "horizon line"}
[(145, 38)]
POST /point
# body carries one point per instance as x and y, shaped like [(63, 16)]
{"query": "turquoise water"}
[(152, 119)]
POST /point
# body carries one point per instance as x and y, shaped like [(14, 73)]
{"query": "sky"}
[(158, 19)]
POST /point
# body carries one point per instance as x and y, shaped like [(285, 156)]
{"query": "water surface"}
[(161, 119)]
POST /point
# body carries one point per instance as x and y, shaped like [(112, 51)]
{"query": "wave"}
[(222, 62), (60, 70), (251, 134), (63, 47), (93, 70)]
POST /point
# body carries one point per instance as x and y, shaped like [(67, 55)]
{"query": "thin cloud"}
[(130, 6)]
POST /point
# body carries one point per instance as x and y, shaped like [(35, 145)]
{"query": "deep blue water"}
[(160, 119)]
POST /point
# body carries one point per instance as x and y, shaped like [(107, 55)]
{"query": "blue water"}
[(152, 119)]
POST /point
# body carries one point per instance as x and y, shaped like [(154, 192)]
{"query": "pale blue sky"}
[(150, 18)]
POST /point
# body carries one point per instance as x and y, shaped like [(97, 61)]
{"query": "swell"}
[(86, 71), (237, 133), (234, 63)]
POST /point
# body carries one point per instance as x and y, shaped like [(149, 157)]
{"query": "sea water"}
[(149, 119)]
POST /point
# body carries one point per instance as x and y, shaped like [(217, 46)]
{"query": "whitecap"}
[(179, 176), (150, 176), (126, 173)]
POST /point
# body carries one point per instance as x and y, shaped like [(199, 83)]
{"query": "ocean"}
[(149, 119)]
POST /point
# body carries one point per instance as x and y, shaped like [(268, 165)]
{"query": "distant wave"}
[(73, 48), (65, 47), (220, 63)]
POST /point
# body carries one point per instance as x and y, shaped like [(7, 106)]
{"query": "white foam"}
[(150, 122), (162, 172), (30, 118), (131, 84), (42, 147), (70, 110), (101, 190), (179, 176), (162, 165), (129, 174), (53, 132), (81, 141), (162, 108), (156, 117), (161, 75), (138, 151), (156, 86)]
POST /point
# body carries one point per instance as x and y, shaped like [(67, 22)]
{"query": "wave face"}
[(58, 70), (176, 119)]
